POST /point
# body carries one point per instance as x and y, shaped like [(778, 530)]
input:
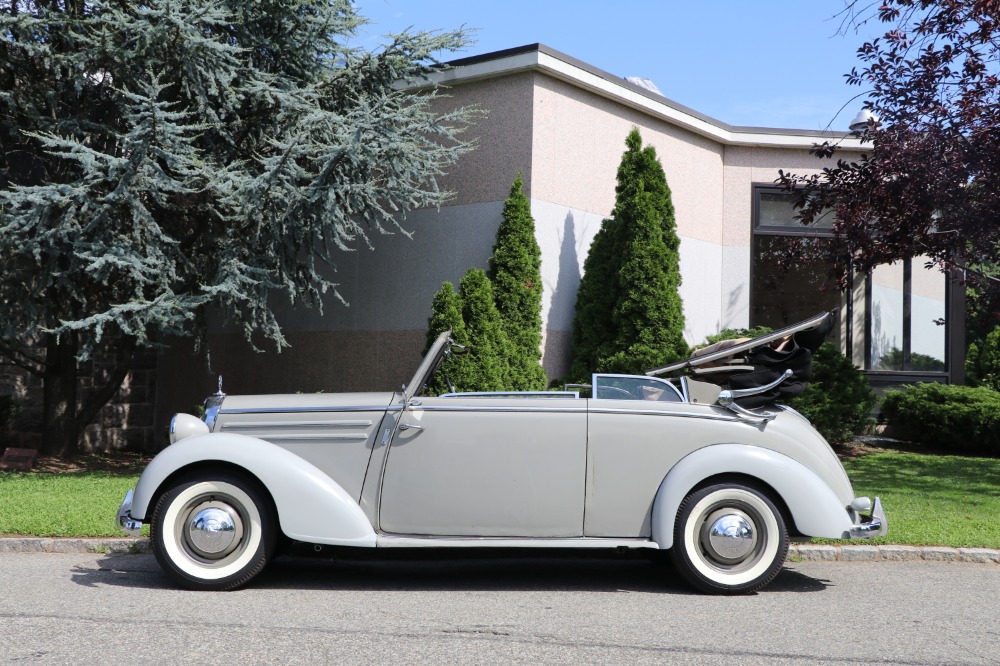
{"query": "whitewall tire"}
[(729, 538), (214, 531)]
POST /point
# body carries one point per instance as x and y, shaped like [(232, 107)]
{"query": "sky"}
[(757, 63)]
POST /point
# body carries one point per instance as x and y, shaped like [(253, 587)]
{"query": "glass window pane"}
[(776, 210), (781, 297), (927, 316), (922, 347), (886, 334)]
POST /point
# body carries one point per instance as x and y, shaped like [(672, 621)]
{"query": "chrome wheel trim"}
[(751, 561), (728, 535), (214, 529), (196, 551)]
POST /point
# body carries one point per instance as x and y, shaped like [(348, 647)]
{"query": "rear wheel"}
[(214, 531), (729, 539)]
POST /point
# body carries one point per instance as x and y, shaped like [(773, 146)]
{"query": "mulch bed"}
[(118, 463)]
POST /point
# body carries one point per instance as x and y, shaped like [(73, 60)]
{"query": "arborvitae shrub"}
[(485, 365), (515, 271), (446, 314), (629, 315)]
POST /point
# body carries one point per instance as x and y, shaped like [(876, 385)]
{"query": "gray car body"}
[(396, 469)]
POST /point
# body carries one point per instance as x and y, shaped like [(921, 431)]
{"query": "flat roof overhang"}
[(540, 58)]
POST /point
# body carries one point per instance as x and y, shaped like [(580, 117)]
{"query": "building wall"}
[(567, 142), (579, 138)]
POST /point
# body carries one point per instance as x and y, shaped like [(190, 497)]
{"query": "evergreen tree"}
[(446, 314), (160, 157), (515, 271), (629, 312), (485, 365)]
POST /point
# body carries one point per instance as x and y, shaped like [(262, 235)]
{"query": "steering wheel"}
[(451, 387)]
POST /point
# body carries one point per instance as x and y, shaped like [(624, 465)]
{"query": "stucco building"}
[(562, 123)]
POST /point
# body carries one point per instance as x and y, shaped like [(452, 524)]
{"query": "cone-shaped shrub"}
[(484, 367), (446, 314), (629, 316), (515, 271)]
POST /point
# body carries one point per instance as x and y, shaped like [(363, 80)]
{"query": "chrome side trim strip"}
[(287, 410), (393, 541), (650, 412), (298, 424), (525, 408), (340, 437)]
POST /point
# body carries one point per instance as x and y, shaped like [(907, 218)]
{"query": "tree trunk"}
[(63, 414), (60, 429)]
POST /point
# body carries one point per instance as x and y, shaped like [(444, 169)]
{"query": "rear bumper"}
[(869, 527), (123, 519)]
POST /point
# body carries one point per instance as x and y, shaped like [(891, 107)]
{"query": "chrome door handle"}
[(408, 426)]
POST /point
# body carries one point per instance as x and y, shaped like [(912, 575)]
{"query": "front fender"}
[(814, 506), (311, 506)]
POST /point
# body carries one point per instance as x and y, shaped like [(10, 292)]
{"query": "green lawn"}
[(80, 504), (930, 500), (933, 500)]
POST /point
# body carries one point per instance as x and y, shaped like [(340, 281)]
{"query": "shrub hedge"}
[(838, 400), (961, 418)]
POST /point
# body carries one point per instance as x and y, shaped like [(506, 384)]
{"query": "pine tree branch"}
[(22, 359)]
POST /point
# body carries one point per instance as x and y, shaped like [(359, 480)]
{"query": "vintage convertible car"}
[(646, 462)]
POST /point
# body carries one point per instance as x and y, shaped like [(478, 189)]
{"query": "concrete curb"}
[(811, 552), (115, 546), (802, 552)]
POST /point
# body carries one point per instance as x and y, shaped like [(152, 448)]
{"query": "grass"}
[(78, 504), (931, 500)]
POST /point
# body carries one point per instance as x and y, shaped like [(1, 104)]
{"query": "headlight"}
[(185, 425)]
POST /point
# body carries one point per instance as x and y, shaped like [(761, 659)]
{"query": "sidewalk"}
[(796, 552)]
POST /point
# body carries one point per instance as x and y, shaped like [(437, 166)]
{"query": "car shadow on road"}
[(443, 569)]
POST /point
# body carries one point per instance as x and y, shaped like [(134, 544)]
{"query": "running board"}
[(386, 541)]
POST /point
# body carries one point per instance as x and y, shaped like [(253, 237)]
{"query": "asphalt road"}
[(552, 609)]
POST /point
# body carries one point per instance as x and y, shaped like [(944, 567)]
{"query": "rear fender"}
[(311, 506), (813, 505)]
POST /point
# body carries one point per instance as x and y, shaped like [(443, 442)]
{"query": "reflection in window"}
[(907, 313), (787, 295), (775, 209)]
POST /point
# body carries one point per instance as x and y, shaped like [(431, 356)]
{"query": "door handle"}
[(408, 426)]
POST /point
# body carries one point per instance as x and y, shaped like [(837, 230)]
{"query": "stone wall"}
[(125, 423)]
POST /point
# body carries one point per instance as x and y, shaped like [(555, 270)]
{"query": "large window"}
[(782, 292), (892, 322)]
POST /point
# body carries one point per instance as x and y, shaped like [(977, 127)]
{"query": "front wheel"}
[(214, 531), (729, 539)]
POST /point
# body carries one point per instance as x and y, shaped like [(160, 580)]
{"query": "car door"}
[(487, 466)]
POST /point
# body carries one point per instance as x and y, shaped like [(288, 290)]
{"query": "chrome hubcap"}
[(729, 535), (213, 530)]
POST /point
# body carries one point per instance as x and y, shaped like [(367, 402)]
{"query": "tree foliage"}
[(486, 366), (159, 157), (515, 270), (498, 314), (929, 183), (629, 316)]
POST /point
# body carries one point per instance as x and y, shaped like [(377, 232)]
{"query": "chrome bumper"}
[(124, 521), (872, 526)]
